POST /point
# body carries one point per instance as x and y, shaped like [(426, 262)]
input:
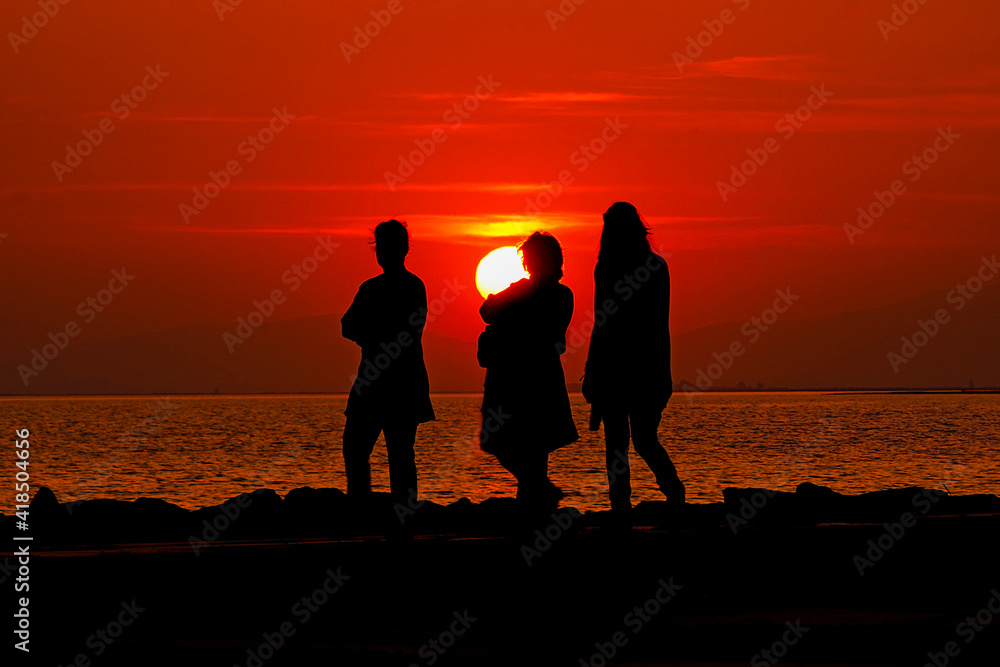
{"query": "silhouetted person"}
[(391, 394), (526, 412), (627, 379)]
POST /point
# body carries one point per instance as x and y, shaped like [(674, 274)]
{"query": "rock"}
[(310, 499), (814, 492), (329, 512), (44, 501), (765, 507), (246, 515)]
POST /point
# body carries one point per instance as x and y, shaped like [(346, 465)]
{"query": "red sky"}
[(324, 174)]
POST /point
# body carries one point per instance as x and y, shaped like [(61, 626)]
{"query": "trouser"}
[(644, 424), (360, 436), (531, 469)]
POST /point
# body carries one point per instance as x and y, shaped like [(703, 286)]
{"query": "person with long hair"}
[(526, 410), (627, 379)]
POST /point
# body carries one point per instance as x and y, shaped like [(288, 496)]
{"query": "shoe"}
[(554, 492), (675, 493)]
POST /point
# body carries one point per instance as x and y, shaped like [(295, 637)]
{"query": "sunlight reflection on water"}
[(200, 450)]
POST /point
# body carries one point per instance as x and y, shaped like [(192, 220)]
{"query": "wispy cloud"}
[(379, 186)]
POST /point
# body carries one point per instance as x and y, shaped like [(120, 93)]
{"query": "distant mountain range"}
[(309, 355)]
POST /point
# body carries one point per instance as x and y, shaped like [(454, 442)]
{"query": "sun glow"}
[(499, 269)]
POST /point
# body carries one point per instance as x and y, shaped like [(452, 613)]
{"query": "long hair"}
[(625, 234)]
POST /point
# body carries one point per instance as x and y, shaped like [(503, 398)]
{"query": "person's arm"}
[(352, 324), (495, 304), (418, 317), (564, 317), (663, 328), (595, 349), (488, 311)]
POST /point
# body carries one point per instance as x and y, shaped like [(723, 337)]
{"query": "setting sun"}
[(499, 269)]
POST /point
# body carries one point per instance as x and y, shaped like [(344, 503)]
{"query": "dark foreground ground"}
[(810, 578)]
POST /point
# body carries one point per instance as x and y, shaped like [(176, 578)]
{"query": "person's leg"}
[(535, 478), (399, 439), (647, 445), (360, 436), (513, 463), (616, 435), (529, 470)]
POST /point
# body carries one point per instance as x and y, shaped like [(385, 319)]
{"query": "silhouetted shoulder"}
[(495, 304), (370, 285), (415, 283), (564, 292), (403, 282)]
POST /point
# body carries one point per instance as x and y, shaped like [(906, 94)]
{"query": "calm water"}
[(197, 451)]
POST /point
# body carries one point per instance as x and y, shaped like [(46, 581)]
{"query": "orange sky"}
[(63, 232)]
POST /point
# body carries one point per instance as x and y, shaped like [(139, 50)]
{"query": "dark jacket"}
[(525, 402), (387, 320), (628, 364)]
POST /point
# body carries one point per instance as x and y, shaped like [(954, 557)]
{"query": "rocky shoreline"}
[(328, 513), (884, 578)]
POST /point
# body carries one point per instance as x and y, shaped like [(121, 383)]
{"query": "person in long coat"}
[(391, 393), (526, 409), (627, 378)]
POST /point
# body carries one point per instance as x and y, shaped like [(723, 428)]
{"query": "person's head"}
[(392, 242), (625, 233), (542, 256)]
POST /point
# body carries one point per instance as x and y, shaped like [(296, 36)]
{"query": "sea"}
[(197, 451)]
